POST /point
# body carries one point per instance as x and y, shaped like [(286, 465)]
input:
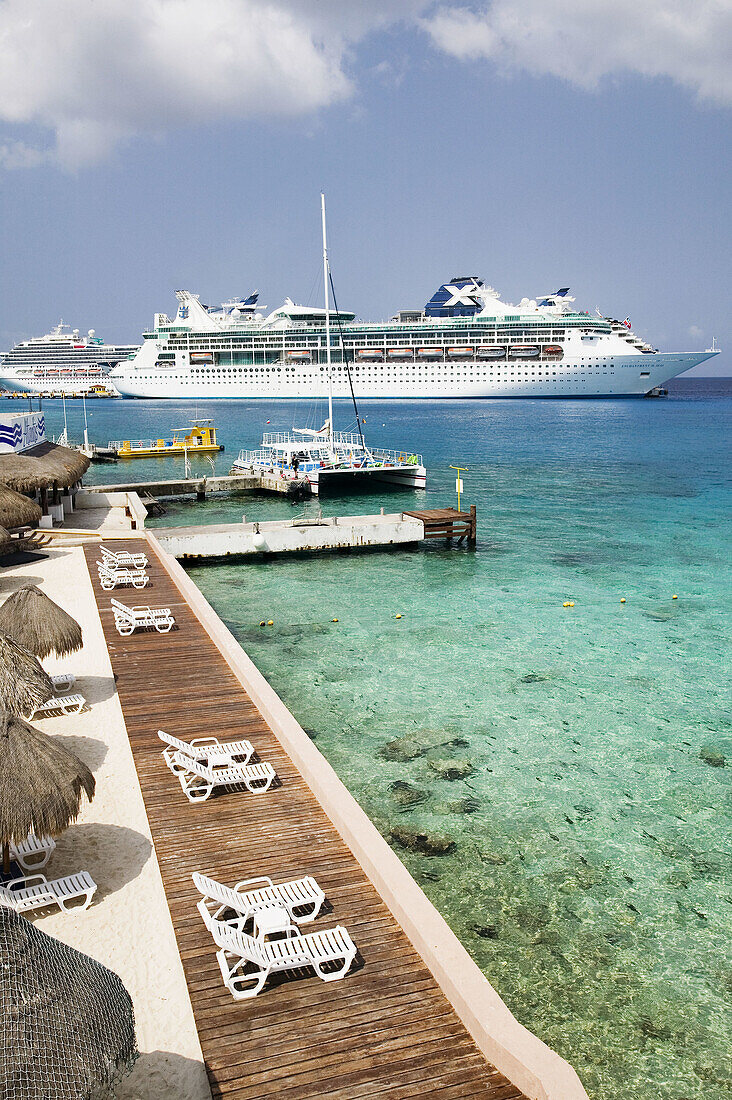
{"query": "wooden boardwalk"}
[(387, 1029), (448, 523)]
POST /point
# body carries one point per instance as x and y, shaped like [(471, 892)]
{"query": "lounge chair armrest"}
[(26, 880), (204, 741), (251, 881)]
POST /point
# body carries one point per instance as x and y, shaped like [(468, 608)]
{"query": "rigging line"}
[(345, 358)]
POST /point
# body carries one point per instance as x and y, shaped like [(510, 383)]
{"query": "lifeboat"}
[(80, 370), (38, 373), (430, 353), (460, 353), (491, 353), (523, 351), (201, 357), (553, 349), (65, 370), (399, 353), (54, 372), (369, 355), (298, 356), (94, 370)]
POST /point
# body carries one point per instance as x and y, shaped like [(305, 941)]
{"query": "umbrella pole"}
[(6, 859)]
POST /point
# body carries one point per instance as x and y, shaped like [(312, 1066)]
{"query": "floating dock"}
[(304, 535), (415, 1017)]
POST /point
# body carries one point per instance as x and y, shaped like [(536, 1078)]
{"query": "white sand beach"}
[(128, 926)]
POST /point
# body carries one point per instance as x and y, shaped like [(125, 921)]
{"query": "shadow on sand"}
[(112, 854), (162, 1075)]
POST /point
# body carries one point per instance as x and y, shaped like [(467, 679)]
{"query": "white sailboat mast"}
[(327, 319)]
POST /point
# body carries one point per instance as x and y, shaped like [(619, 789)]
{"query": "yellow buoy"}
[(399, 615), (571, 604), (263, 623), (270, 622), (622, 599), (674, 597), (334, 620), (566, 603)]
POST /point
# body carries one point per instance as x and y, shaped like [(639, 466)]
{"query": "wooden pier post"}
[(472, 537)]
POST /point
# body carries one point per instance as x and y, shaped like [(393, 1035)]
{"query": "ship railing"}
[(159, 444), (348, 454)]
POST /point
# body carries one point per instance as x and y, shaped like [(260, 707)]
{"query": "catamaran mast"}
[(327, 319)]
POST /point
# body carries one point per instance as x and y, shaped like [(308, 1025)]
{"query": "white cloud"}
[(95, 73), (695, 331), (688, 42), (16, 154)]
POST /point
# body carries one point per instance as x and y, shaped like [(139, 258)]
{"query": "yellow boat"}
[(200, 440)]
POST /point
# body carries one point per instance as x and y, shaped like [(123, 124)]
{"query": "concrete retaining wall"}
[(286, 537), (531, 1065)]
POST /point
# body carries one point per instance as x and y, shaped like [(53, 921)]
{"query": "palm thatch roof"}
[(41, 782), (23, 683), (67, 1022), (43, 466), (17, 510), (34, 621)]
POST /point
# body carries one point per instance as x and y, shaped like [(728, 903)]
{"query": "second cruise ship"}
[(465, 343), (63, 363)]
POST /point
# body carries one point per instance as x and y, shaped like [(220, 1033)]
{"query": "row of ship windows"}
[(310, 376)]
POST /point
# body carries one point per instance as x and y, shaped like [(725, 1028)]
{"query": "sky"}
[(153, 145)]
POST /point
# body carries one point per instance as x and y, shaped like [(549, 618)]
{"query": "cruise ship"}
[(465, 343), (63, 362)]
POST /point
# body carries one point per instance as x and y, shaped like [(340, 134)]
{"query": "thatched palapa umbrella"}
[(43, 467), (34, 621), (41, 784), (23, 683), (17, 510), (67, 1025)]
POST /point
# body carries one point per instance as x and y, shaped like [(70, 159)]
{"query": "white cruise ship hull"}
[(616, 376), (55, 387)]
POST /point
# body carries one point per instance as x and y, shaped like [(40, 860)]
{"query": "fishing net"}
[(67, 1027)]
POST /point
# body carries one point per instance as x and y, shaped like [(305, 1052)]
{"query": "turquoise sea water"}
[(574, 762)]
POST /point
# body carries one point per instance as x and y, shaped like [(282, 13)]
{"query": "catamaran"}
[(324, 458)]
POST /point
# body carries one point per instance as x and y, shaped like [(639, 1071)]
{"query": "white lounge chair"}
[(205, 749), (302, 899), (246, 963), (36, 892), (67, 704), (124, 558), (129, 619), (63, 681), (114, 577), (198, 780), (34, 852)]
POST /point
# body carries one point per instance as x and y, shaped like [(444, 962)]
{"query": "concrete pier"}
[(290, 536), (201, 487)]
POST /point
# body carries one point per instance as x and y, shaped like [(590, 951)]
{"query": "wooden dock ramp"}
[(448, 523), (387, 1030)]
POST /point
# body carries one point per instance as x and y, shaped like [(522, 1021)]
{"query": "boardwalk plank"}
[(387, 1030)]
